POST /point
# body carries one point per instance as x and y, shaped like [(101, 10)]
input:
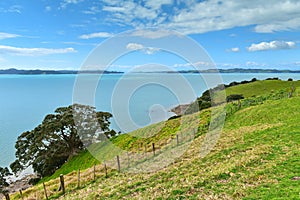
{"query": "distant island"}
[(234, 70), (39, 71)]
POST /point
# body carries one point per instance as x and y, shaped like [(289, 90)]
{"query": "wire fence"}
[(149, 155)]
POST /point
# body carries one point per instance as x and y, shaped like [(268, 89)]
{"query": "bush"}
[(174, 117), (234, 97), (34, 181)]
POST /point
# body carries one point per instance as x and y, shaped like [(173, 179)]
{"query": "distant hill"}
[(234, 70), (240, 70), (39, 71)]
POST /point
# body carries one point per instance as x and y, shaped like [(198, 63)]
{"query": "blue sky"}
[(61, 34)]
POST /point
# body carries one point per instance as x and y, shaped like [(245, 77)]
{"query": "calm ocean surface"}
[(26, 99)]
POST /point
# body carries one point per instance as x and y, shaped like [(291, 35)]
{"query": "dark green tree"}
[(4, 172), (60, 136)]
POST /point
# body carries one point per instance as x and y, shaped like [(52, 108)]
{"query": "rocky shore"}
[(19, 184)]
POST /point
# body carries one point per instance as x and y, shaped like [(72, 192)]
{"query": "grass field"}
[(256, 157), (259, 88)]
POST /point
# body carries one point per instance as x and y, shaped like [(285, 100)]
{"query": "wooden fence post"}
[(105, 169), (21, 194), (128, 159), (62, 183), (153, 149), (94, 172), (118, 162), (78, 182), (45, 191), (7, 196)]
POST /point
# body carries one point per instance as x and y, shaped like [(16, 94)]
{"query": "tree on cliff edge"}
[(56, 139)]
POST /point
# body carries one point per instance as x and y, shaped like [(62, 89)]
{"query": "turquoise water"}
[(26, 99)]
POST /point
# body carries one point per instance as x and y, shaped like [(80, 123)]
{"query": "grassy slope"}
[(259, 88), (162, 132), (255, 158), (85, 160)]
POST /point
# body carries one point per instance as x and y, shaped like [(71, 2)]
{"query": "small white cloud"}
[(65, 3), (152, 34), (156, 4), (255, 64), (137, 46), (273, 45), (113, 9), (96, 35), (134, 46), (15, 9), (151, 50), (48, 8), (33, 51), (199, 64), (7, 35), (92, 10), (235, 49)]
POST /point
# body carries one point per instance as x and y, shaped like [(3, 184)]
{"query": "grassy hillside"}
[(256, 157), (259, 88)]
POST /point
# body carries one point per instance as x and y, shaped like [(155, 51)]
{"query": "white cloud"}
[(134, 46), (151, 50), (152, 34), (92, 10), (113, 8), (137, 46), (156, 4), (96, 35), (199, 64), (235, 49), (273, 45), (255, 64), (33, 51), (12, 9), (7, 35), (191, 17), (65, 3), (48, 8)]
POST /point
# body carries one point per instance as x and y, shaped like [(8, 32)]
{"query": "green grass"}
[(83, 160), (160, 134), (259, 88), (256, 156)]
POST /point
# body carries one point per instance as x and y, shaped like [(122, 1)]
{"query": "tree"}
[(3, 183), (60, 136)]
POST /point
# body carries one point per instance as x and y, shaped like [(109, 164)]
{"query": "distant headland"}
[(39, 71)]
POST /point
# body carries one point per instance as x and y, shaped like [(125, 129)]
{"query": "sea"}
[(135, 100)]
